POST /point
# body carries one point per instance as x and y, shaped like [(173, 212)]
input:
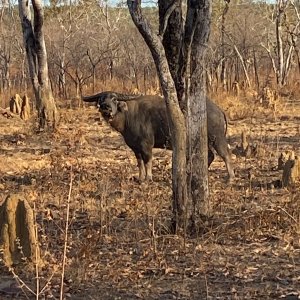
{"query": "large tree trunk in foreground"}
[(37, 60), (178, 53), (199, 15), (171, 30), (175, 115), (185, 48)]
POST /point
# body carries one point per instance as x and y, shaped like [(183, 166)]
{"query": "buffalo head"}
[(110, 103), (110, 106)]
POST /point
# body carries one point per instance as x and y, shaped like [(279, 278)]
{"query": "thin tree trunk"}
[(279, 16), (37, 60), (298, 58), (243, 65), (197, 116), (223, 61), (62, 73), (295, 33), (171, 28), (287, 64), (271, 59), (256, 71)]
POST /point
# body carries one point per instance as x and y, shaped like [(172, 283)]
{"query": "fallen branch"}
[(7, 114)]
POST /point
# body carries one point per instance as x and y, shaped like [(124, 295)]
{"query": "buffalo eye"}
[(104, 106)]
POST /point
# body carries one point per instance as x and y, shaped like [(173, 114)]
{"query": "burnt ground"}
[(119, 244)]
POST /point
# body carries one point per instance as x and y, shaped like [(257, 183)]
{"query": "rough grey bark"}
[(279, 16), (171, 27), (223, 61), (178, 52), (33, 35), (199, 14), (5, 57), (187, 63), (175, 115)]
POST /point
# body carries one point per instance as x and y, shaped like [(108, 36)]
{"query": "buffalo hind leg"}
[(211, 156), (223, 150)]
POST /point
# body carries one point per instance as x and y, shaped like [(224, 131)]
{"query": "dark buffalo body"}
[(142, 121)]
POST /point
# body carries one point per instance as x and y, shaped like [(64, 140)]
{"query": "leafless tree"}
[(178, 53), (285, 44), (236, 55), (33, 33), (280, 11), (176, 117), (223, 62), (5, 62)]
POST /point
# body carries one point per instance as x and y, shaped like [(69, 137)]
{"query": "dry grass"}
[(119, 244)]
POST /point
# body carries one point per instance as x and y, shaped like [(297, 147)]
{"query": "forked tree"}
[(178, 52), (34, 41)]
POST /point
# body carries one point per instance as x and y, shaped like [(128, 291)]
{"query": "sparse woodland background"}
[(92, 47)]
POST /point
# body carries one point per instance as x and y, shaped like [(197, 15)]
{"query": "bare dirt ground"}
[(119, 244)]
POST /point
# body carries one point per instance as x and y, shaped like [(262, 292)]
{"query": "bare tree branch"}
[(167, 15)]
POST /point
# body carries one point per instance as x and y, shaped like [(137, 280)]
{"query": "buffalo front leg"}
[(229, 167), (141, 166), (148, 166), (147, 158)]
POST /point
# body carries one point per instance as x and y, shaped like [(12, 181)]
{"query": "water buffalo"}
[(143, 123)]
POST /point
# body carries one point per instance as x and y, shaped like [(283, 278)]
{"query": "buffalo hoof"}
[(137, 179), (149, 179), (140, 181), (230, 180)]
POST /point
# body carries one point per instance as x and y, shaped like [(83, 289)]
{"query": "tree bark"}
[(171, 29), (187, 68), (175, 115), (281, 5), (33, 35), (223, 60), (199, 13)]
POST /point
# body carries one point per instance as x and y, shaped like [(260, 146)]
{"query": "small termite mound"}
[(20, 106), (247, 149), (283, 158), (236, 88), (268, 97), (291, 171), (17, 233), (15, 104), (25, 109)]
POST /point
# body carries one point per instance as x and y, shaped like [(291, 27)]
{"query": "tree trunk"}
[(223, 60), (239, 55), (179, 60), (279, 15), (37, 60), (256, 71), (171, 29), (187, 63), (175, 115), (196, 103), (62, 73)]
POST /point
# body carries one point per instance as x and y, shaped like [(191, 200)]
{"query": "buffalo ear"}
[(122, 106)]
